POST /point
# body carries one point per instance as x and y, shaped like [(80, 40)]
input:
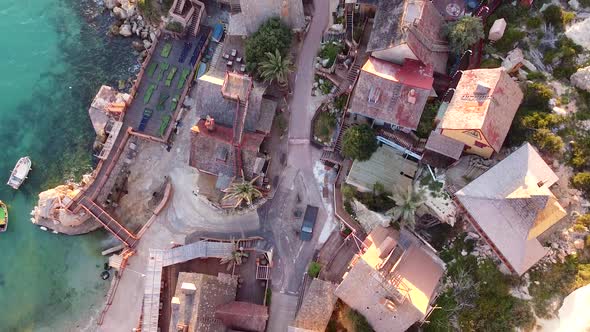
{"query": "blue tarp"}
[(217, 32)]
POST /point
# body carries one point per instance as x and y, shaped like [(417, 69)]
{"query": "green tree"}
[(538, 120), (581, 181), (272, 35), (547, 141), (276, 68), (407, 203), (242, 191), (236, 257), (359, 142), (538, 95), (463, 33), (313, 270)]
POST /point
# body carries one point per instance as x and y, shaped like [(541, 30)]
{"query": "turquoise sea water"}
[(54, 55)]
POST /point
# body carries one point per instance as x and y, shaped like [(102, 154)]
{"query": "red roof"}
[(392, 93), (486, 100), (250, 141)]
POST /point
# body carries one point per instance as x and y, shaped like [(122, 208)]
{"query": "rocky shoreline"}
[(130, 23)]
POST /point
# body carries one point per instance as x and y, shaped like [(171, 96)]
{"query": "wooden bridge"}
[(109, 223)]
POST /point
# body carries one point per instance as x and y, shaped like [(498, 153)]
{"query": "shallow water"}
[(54, 55)]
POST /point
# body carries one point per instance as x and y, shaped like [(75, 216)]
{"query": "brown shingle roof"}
[(444, 145), (512, 204), (393, 93), (243, 316), (196, 309), (485, 99), (316, 308), (207, 146)]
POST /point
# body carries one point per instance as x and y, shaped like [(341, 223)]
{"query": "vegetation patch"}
[(346, 319), (324, 127), (313, 270), (555, 283), (330, 51), (359, 142), (463, 33), (426, 124), (174, 26), (272, 35)]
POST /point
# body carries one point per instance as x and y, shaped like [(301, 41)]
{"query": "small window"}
[(472, 133), (374, 95), (480, 144)]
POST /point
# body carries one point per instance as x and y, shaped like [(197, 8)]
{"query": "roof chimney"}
[(210, 123), (412, 96), (482, 88)]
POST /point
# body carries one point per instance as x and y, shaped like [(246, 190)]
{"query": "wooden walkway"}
[(109, 223)]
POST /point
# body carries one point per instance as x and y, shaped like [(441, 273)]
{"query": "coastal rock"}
[(147, 44), (114, 30), (137, 45), (581, 78), (559, 110), (125, 30), (579, 244), (153, 37), (578, 32), (574, 4), (110, 4), (120, 13), (144, 34)]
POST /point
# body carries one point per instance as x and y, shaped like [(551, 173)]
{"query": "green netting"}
[(183, 77), (152, 69), (165, 121), (148, 93), (174, 102), (170, 76), (161, 102), (166, 50), (163, 68)]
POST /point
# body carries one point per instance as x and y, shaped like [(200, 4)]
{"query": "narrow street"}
[(298, 185)]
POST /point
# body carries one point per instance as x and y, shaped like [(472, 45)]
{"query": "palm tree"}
[(406, 205), (276, 67), (235, 258), (242, 191)]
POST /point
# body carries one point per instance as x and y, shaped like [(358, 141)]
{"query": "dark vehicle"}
[(311, 213)]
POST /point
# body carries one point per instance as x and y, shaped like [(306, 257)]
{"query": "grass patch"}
[(183, 78), (313, 270), (148, 93), (491, 63), (170, 76), (166, 50), (324, 127)]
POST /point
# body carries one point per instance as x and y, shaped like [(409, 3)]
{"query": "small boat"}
[(201, 70), (3, 217), (20, 172)]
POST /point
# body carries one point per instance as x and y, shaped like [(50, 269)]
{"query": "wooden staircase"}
[(235, 7), (350, 24)]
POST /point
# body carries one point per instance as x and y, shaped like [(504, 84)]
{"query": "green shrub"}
[(536, 75), (581, 181), (330, 51), (340, 102), (490, 63), (547, 141), (584, 3), (554, 15), (511, 36), (568, 17), (463, 33), (542, 120), (148, 10), (313, 270), (348, 192), (272, 35), (359, 142), (538, 95), (174, 26), (579, 157), (426, 124), (359, 322), (534, 22)]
